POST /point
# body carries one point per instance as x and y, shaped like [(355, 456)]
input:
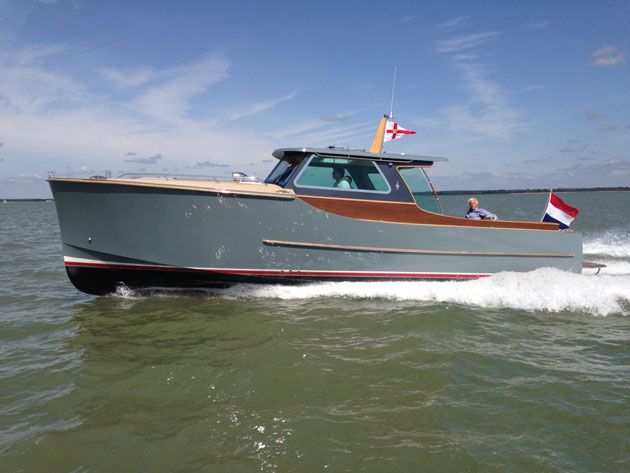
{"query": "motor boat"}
[(322, 214)]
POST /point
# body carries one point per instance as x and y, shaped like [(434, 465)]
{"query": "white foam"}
[(613, 267), (614, 244), (124, 292), (545, 289)]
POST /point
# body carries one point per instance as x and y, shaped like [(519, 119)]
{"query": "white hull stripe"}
[(90, 263)]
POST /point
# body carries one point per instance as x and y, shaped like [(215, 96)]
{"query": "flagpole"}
[(391, 107), (546, 206)]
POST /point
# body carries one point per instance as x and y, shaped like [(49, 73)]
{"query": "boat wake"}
[(611, 244), (544, 289)]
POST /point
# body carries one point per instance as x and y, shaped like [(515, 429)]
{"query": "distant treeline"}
[(25, 200), (458, 192), (534, 191)]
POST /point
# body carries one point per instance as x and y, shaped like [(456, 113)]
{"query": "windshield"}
[(281, 173), (420, 189)]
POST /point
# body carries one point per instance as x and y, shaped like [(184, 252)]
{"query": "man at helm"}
[(341, 180)]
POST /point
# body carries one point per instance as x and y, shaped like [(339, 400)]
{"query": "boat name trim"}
[(377, 249)]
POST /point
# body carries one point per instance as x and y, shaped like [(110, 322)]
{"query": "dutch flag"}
[(558, 211)]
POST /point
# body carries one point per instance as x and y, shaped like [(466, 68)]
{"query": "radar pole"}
[(391, 106), (377, 143)]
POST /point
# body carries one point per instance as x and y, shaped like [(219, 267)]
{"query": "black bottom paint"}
[(103, 281)]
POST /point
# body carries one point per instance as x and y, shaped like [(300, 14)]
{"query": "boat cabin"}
[(371, 186), (355, 174)]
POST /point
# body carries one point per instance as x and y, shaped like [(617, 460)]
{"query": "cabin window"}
[(420, 188), (343, 174)]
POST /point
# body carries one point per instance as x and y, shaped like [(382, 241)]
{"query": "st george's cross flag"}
[(393, 131), (558, 211)]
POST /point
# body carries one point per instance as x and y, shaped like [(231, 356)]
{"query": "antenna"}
[(391, 107)]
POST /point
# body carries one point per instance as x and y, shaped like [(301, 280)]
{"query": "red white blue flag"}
[(394, 131), (558, 211)]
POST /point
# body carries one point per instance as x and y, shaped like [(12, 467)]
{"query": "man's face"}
[(473, 204)]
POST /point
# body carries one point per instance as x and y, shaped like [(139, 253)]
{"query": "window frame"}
[(331, 188)]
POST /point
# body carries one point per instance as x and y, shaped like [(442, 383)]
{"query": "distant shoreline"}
[(536, 191), (12, 201), (457, 192)]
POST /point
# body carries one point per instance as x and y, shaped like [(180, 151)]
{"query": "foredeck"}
[(219, 187)]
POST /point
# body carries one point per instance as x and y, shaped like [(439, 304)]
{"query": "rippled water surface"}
[(518, 372)]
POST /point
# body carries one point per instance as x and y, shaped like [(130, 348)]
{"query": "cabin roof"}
[(357, 153)]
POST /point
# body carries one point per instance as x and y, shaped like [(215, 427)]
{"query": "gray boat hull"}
[(176, 238)]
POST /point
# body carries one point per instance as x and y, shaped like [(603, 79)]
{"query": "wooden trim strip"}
[(377, 249), (410, 213)]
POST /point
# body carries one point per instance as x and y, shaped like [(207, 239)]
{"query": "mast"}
[(377, 143)]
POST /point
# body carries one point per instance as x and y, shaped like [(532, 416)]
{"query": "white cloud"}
[(262, 106), (337, 118), (607, 56), (55, 121), (537, 25), (33, 54), (129, 77), (608, 127), (591, 115), (454, 23), (170, 100), (27, 85), (404, 19), (577, 146), (467, 42), (487, 111), (318, 132), (150, 160)]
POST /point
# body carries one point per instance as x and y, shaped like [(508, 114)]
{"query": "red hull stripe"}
[(275, 272)]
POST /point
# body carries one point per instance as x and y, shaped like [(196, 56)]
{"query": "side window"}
[(378, 181), (420, 189), (342, 174)]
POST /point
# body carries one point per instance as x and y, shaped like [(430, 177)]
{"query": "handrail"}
[(190, 177), (163, 175)]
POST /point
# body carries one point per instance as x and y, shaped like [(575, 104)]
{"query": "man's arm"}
[(484, 214)]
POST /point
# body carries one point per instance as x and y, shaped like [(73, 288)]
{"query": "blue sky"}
[(515, 94)]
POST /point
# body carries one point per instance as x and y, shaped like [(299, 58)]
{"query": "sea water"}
[(517, 372)]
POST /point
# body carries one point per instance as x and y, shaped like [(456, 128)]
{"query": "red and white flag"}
[(558, 211), (393, 131)]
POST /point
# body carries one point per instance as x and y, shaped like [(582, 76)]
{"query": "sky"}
[(531, 94)]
